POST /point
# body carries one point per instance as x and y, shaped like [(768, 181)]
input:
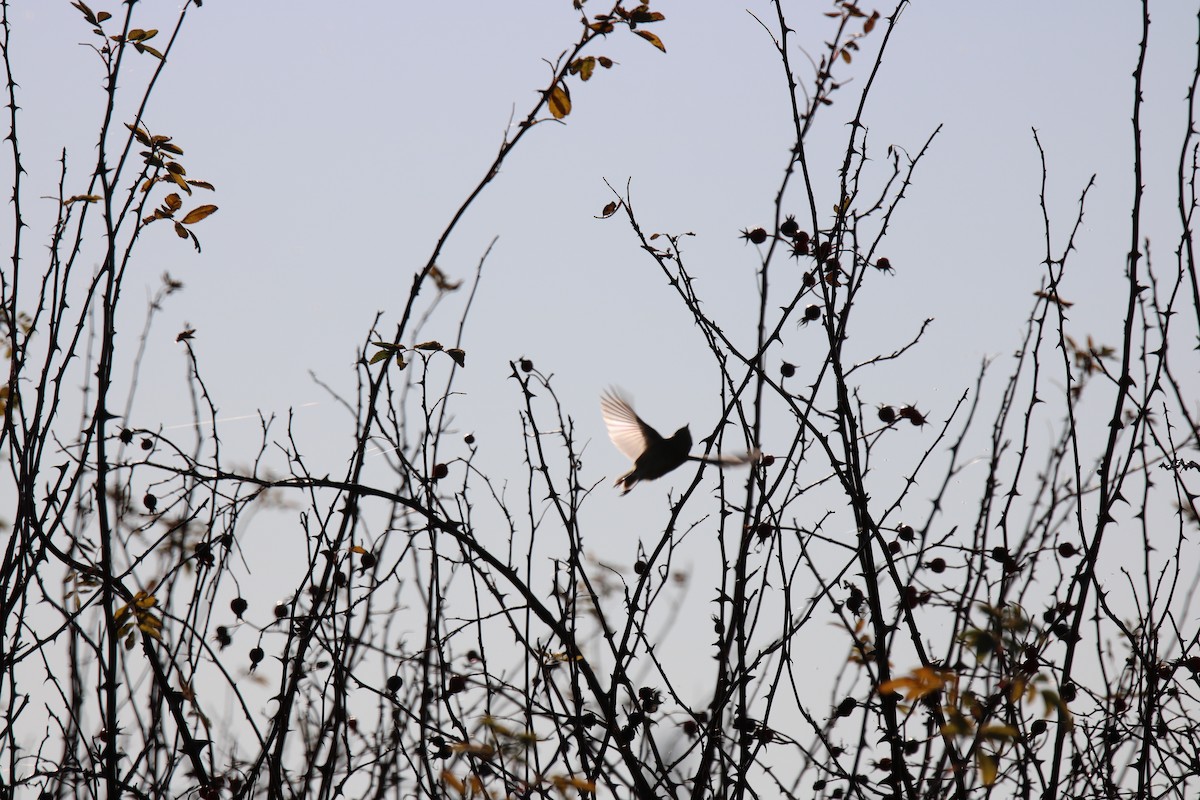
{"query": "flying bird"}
[(653, 456)]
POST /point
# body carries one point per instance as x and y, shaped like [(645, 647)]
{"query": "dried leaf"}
[(559, 101), (988, 767), (181, 231), (87, 12), (643, 14), (198, 213), (139, 134), (652, 39), (430, 345), (459, 356), (441, 281), (180, 182)]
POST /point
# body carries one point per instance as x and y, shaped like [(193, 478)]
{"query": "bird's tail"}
[(735, 460), (627, 481)]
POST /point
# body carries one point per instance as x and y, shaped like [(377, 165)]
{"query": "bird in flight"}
[(653, 456)]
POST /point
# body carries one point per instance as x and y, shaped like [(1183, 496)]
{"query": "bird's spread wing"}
[(625, 428)]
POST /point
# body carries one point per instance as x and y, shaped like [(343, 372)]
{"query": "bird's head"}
[(682, 439)]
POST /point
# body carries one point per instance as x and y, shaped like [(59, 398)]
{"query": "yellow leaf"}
[(559, 102), (172, 202), (987, 768), (921, 682), (198, 213), (202, 185), (481, 749), (139, 134), (452, 781), (652, 39), (1001, 732), (178, 181)]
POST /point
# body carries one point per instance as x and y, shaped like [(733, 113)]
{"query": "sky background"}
[(341, 141)]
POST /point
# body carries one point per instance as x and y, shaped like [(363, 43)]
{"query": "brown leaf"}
[(180, 182), (642, 14), (652, 39), (198, 213), (181, 231), (441, 281), (139, 134), (559, 101)]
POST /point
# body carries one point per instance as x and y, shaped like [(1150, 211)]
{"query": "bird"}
[(653, 456)]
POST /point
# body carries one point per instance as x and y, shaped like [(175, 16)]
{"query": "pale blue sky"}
[(340, 141)]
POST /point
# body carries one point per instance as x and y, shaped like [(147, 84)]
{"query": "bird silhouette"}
[(653, 456)]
